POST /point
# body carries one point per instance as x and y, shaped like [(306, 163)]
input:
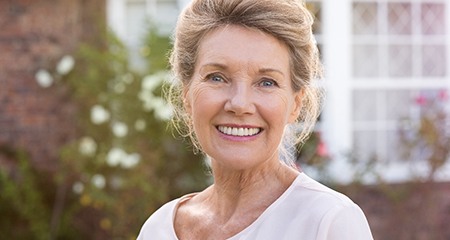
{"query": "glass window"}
[(407, 37), (399, 18), (400, 59), (394, 42), (364, 105), (366, 60), (434, 60), (399, 104), (365, 16), (433, 18)]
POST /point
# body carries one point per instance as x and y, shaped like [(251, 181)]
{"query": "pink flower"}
[(443, 95), (421, 100), (322, 150)]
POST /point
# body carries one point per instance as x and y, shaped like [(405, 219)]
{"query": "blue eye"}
[(215, 78), (268, 83)]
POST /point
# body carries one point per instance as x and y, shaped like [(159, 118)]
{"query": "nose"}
[(240, 100)]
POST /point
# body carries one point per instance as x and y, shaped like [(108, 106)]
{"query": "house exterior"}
[(384, 59), (381, 58)]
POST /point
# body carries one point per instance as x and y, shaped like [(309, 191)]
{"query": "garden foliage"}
[(125, 161)]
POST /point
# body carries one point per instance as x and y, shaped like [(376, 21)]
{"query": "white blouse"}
[(307, 210)]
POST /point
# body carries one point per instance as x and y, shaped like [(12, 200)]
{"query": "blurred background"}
[(86, 151)]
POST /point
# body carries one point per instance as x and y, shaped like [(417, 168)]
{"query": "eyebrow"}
[(225, 67), (213, 65), (270, 70)]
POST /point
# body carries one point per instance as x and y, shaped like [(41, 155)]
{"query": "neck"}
[(239, 192)]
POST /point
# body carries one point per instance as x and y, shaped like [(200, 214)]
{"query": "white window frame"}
[(337, 121)]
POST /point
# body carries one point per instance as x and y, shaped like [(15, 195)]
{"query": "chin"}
[(238, 162)]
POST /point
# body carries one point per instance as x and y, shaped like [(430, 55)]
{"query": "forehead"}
[(243, 46)]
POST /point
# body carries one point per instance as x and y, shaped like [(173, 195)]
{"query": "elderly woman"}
[(246, 72)]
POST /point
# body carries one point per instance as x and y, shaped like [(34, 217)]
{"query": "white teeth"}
[(241, 132)]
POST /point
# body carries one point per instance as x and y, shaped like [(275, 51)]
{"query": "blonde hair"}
[(287, 20)]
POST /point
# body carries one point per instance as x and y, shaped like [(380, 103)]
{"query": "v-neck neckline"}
[(272, 207)]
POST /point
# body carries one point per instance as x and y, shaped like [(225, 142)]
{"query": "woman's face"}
[(240, 97)]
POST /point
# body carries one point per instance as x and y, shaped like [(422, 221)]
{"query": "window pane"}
[(364, 105), (400, 60), (393, 146), (135, 30), (365, 145), (434, 60), (166, 10), (135, 22), (365, 18), (433, 18), (398, 104), (365, 60), (399, 18)]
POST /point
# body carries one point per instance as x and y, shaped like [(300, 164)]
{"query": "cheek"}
[(277, 107), (203, 101)]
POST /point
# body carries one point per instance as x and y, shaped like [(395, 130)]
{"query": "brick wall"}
[(36, 34), (416, 210)]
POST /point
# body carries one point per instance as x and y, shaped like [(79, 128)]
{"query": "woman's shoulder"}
[(307, 197), (310, 210), (336, 214), (160, 224), (308, 188)]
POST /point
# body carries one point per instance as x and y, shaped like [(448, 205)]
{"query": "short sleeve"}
[(345, 223)]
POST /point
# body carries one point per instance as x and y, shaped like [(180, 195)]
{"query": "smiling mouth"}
[(239, 132)]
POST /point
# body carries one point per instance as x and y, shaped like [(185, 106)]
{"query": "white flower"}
[(99, 181), (118, 157), (87, 146), (151, 82), (131, 160), (115, 156), (65, 65), (157, 103), (44, 78), (99, 114), (147, 98), (164, 112), (140, 125), (148, 85), (119, 129), (78, 187)]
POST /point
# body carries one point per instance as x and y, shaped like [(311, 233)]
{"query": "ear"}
[(297, 106)]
